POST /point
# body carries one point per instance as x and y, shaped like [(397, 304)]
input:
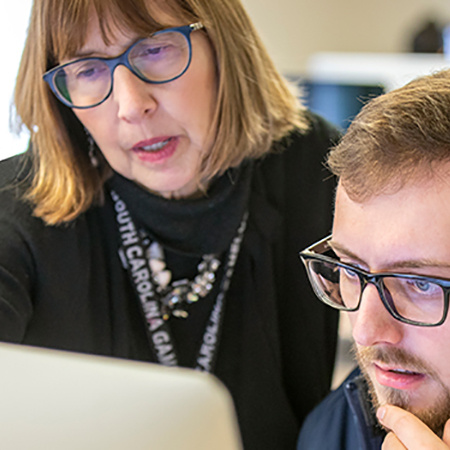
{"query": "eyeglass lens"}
[(159, 58), (415, 299)]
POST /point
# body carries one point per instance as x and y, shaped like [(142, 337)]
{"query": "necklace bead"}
[(178, 295)]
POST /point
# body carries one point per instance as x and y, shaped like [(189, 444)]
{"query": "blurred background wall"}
[(13, 24), (293, 30)]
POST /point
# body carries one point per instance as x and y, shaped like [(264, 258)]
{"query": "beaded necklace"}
[(176, 296), (159, 298)]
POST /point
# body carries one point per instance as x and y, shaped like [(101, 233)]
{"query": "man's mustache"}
[(393, 356)]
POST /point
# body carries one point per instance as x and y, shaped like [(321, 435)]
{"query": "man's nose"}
[(372, 323), (133, 96)]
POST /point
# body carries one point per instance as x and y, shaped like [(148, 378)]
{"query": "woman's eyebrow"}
[(87, 52)]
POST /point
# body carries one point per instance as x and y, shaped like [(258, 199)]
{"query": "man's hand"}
[(408, 432)]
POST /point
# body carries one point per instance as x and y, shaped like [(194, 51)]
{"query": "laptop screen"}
[(51, 399)]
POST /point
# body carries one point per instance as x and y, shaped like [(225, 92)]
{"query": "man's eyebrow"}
[(402, 264), (344, 251)]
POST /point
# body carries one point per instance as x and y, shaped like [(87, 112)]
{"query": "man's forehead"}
[(423, 173), (407, 228)]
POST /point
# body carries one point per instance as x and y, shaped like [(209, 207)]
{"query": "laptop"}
[(51, 399)]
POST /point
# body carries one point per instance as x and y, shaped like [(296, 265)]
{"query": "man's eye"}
[(424, 287), (349, 273)]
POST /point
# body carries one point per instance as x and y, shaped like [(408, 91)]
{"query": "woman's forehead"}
[(114, 21)]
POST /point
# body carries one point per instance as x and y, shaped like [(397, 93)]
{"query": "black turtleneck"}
[(190, 226), (187, 229)]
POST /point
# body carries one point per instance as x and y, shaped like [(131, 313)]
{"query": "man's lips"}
[(397, 377)]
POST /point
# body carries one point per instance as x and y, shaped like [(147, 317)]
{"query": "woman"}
[(171, 179)]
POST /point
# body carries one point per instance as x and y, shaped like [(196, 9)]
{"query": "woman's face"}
[(155, 134)]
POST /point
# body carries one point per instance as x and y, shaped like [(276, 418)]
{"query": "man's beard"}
[(434, 415)]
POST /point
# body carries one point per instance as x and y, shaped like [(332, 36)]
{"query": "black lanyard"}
[(134, 259)]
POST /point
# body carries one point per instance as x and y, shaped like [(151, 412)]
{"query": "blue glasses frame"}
[(316, 252), (113, 63)]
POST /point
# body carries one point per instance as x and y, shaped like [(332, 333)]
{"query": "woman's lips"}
[(156, 150), (397, 377)]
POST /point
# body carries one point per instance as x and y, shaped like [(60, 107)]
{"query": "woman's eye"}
[(85, 73), (151, 51), (90, 72)]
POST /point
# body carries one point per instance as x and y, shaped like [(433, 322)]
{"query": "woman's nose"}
[(372, 323), (133, 96)]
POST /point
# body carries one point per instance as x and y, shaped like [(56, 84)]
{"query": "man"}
[(387, 262)]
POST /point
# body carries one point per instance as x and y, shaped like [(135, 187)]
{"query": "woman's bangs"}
[(70, 20), (66, 27)]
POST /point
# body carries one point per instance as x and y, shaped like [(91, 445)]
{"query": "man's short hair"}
[(397, 137)]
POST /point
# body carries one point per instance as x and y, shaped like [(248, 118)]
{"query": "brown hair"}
[(395, 138), (255, 105)]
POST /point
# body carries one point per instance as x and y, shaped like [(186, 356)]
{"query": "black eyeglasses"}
[(412, 299), (160, 58)]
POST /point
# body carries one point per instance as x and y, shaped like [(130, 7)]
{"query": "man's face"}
[(406, 232)]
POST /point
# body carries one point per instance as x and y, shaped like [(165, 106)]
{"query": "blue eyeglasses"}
[(412, 299), (160, 58)]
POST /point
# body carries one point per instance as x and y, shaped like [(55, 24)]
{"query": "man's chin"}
[(433, 415)]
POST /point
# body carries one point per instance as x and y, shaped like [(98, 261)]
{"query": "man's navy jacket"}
[(343, 421)]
